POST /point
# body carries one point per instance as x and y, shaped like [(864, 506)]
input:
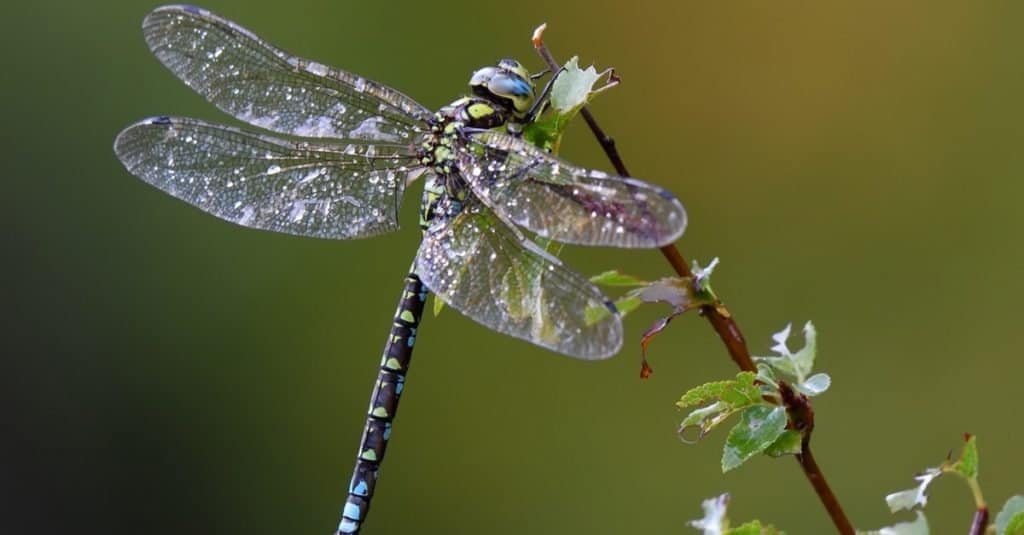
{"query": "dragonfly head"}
[(508, 84)]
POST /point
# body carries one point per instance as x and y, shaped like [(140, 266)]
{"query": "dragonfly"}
[(340, 153)]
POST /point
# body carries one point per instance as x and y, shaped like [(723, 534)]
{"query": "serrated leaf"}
[(714, 521), (1011, 517), (571, 90), (799, 364), (574, 86), (758, 428), (917, 496), (788, 443), (614, 277), (701, 394), (815, 384), (705, 418), (967, 464), (917, 527), (805, 357), (740, 390)]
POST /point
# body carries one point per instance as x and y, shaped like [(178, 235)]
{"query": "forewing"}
[(566, 203), (479, 267), (267, 183), (264, 86)]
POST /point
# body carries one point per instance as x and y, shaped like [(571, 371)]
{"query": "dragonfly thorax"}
[(440, 149), (502, 95), (445, 190)]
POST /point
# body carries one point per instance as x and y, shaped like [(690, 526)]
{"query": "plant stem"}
[(817, 479), (719, 317), (801, 418), (723, 323), (980, 521)]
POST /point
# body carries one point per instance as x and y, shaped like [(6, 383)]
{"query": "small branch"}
[(801, 417), (980, 521), (719, 317), (722, 321), (828, 499)]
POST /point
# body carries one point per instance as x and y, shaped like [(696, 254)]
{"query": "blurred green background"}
[(853, 163)]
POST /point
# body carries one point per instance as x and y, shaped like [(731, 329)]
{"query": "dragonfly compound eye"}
[(505, 85)]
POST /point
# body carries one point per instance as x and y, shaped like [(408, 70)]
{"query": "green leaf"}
[(726, 397), (734, 392), (967, 465), (918, 527), (1015, 526), (750, 528), (704, 393), (797, 365), (814, 385), (614, 277), (627, 304), (766, 374), (574, 86), (1010, 520), (758, 428), (546, 132), (754, 527), (714, 521), (624, 305), (571, 90), (705, 419), (742, 392), (917, 496), (789, 443), (702, 277)]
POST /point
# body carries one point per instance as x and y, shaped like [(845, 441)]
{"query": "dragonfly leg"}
[(542, 100)]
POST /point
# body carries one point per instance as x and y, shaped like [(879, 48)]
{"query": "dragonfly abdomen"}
[(384, 404)]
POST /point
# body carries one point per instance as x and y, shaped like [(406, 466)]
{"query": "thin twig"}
[(724, 324), (980, 521), (719, 317), (801, 418)]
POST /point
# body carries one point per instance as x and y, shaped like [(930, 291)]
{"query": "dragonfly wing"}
[(257, 181), (478, 266), (262, 85), (560, 201)]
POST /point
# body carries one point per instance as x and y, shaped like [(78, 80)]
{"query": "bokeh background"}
[(858, 164)]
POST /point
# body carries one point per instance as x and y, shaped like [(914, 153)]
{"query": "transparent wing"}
[(567, 203), (479, 267), (262, 182), (252, 80)]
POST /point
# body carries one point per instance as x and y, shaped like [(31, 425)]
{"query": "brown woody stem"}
[(724, 324)]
